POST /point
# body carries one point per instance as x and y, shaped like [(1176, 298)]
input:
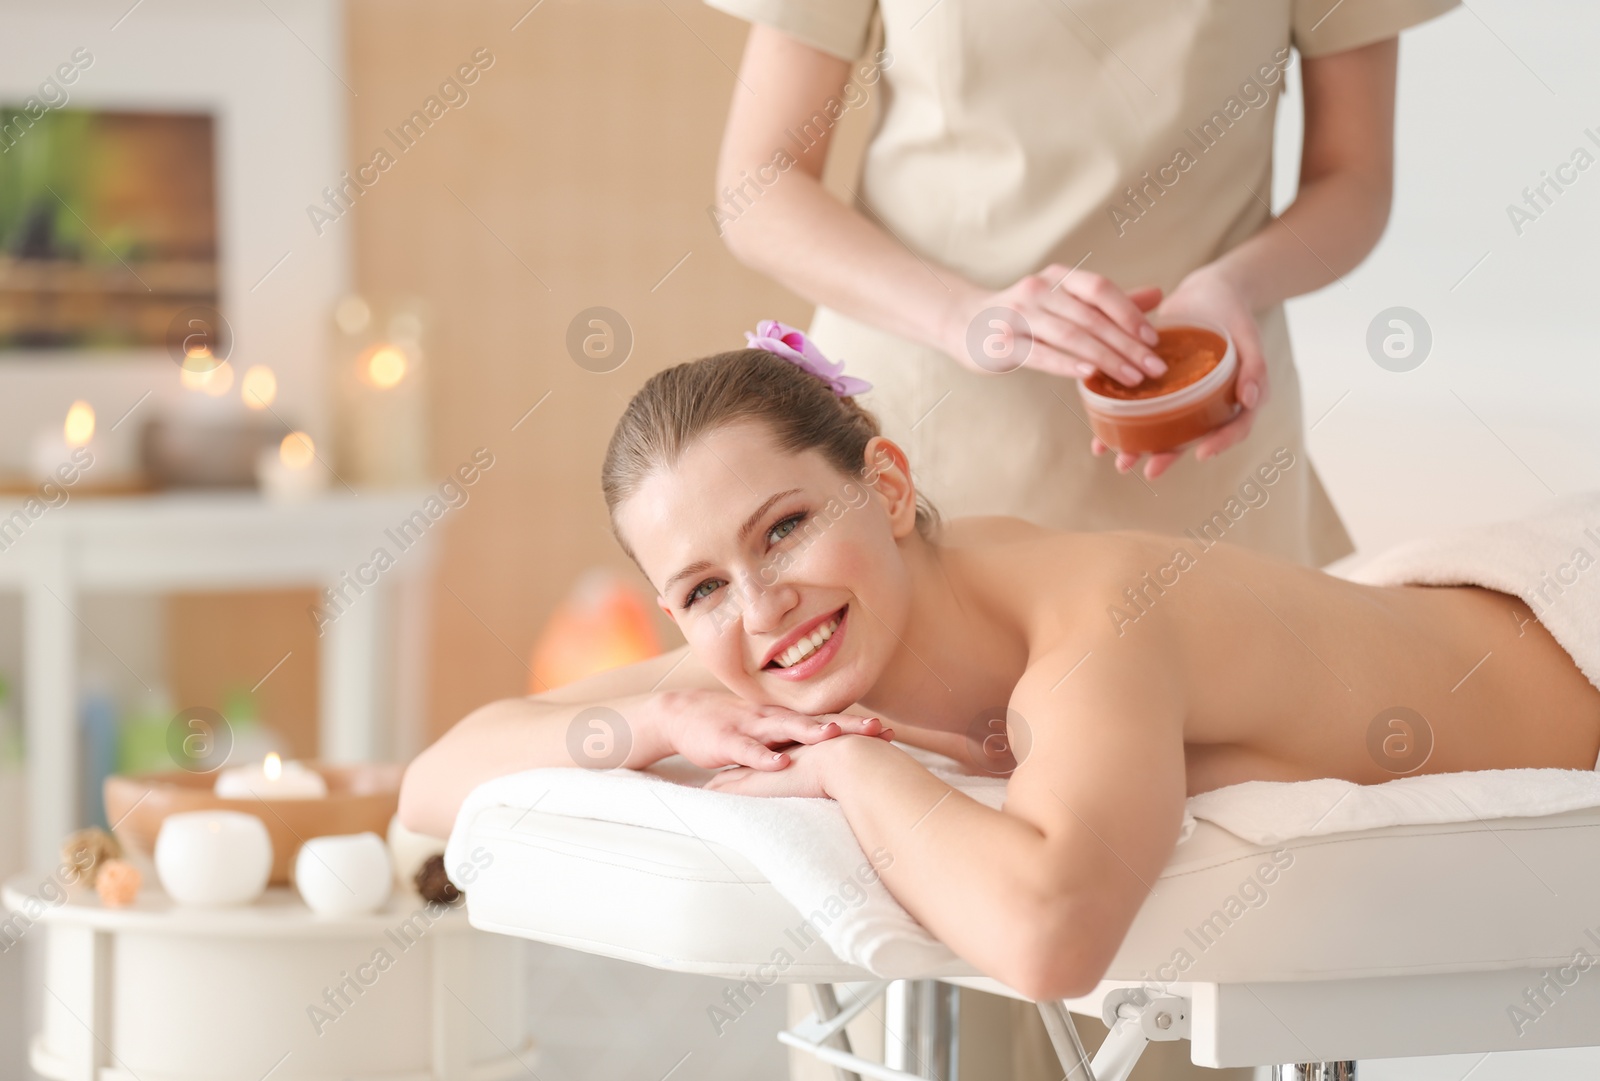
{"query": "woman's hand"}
[(806, 775), (1207, 294), (1072, 323), (717, 728)]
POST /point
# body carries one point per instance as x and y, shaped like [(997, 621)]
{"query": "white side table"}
[(158, 992), (216, 541)]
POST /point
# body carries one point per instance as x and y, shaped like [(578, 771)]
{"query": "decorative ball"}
[(434, 885), (117, 883), (344, 875), (88, 850), (213, 858)]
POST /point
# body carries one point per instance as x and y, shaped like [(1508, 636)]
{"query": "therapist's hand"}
[(1073, 323), (1207, 294), (717, 728)]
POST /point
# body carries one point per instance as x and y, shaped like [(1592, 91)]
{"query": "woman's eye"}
[(785, 527), (701, 591)]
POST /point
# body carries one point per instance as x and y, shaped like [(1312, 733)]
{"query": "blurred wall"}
[(225, 642), (1499, 414), (576, 173)]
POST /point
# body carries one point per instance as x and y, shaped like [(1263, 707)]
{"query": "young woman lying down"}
[(1111, 675)]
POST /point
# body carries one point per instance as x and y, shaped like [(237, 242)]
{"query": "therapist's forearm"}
[(964, 870), (1325, 233), (808, 241)]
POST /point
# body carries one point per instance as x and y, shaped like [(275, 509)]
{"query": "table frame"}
[(218, 541)]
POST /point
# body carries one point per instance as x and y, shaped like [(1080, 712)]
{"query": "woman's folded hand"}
[(713, 729), (807, 777)]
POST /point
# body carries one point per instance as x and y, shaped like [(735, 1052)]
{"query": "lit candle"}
[(381, 408), (384, 366), (271, 778), (203, 372), (291, 470), (259, 386), (79, 426), (52, 448)]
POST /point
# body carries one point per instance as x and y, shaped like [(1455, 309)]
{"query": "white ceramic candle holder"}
[(271, 778), (48, 453), (344, 875), (213, 858), (287, 483)]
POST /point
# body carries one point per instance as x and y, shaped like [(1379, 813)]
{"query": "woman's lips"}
[(817, 658)]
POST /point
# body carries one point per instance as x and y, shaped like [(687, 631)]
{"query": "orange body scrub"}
[(1189, 353), (1193, 396)]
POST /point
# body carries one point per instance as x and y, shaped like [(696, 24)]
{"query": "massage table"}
[(1470, 929), (1417, 940)]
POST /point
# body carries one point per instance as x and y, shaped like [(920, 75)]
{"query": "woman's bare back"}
[(1293, 673)]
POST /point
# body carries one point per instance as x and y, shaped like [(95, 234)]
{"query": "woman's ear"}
[(887, 471), (666, 607)]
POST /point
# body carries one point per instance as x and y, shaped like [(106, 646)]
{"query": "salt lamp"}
[(602, 623)]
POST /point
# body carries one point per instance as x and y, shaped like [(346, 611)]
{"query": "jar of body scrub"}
[(1165, 412)]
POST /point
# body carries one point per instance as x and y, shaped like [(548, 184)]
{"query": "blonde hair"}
[(679, 405)]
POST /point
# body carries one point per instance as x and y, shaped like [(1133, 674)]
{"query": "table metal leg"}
[(826, 1003), (939, 1028), (922, 1027), (1064, 1038), (923, 1036), (1315, 1071)]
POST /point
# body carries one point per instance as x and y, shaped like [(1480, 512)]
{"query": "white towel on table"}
[(1550, 558), (803, 846), (806, 849)]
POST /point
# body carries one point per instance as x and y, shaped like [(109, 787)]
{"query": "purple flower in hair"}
[(797, 349)]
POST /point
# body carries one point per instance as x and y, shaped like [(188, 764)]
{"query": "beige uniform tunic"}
[(1134, 138)]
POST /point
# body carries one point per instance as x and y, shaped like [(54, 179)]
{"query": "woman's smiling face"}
[(785, 576)]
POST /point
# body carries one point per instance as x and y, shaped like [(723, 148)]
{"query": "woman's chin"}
[(811, 699), (833, 695)]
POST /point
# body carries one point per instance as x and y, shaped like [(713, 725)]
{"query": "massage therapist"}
[(1065, 160), (1020, 139)]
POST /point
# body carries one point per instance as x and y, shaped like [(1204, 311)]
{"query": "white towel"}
[(806, 849), (803, 846), (1270, 812), (1550, 558)]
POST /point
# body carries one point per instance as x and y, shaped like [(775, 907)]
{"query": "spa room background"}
[(576, 174)]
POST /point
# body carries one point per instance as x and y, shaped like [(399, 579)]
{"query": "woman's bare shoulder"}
[(981, 530), (1056, 584), (1052, 555), (998, 530)]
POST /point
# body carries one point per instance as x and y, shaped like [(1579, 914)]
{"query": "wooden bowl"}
[(360, 797)]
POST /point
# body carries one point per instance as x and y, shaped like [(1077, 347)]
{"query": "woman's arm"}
[(1346, 179), (515, 734), (1039, 894), (798, 234), (631, 717)]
